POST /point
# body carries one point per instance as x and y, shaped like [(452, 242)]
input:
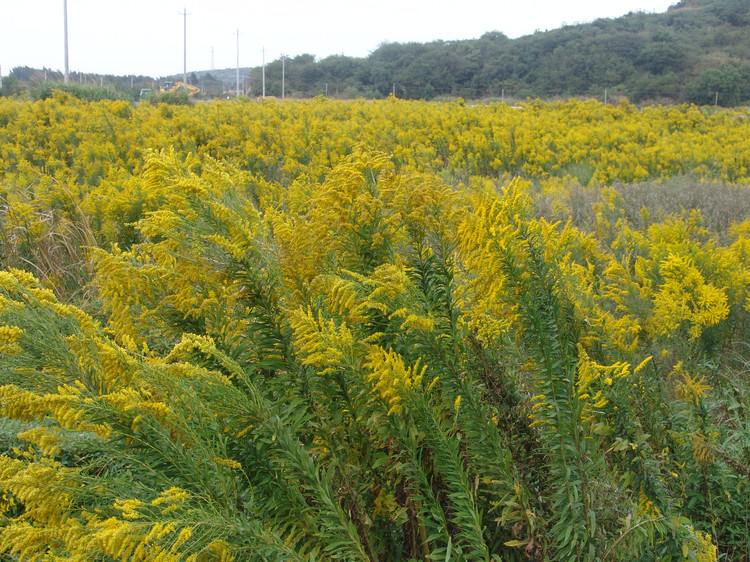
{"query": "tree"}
[(10, 86), (660, 56), (733, 12), (726, 80)]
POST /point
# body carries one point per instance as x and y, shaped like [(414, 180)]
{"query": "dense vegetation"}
[(698, 52), (373, 331), (688, 54)]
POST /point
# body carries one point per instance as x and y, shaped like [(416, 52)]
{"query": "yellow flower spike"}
[(389, 376), (229, 463), (167, 529), (173, 495), (642, 365), (9, 336), (129, 508), (322, 343), (155, 533), (46, 439), (182, 538)]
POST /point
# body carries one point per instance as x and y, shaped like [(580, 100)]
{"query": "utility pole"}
[(184, 50), (605, 96), (264, 73), (282, 76), (238, 63), (65, 23)]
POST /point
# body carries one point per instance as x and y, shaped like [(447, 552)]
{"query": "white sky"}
[(146, 36)]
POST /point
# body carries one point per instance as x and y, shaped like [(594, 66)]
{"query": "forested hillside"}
[(691, 52)]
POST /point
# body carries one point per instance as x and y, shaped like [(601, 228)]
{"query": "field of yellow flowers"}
[(384, 330)]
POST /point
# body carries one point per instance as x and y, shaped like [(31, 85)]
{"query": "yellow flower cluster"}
[(689, 388), (593, 380), (43, 487), (9, 336), (391, 379), (132, 540), (485, 239), (321, 343), (647, 507), (483, 139), (171, 499), (46, 439), (699, 547), (684, 296), (63, 405)]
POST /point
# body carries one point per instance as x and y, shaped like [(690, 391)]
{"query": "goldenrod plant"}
[(373, 331)]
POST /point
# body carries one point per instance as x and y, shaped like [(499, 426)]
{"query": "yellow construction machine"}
[(170, 86)]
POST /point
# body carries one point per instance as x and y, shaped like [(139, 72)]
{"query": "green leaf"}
[(602, 429), (380, 459)]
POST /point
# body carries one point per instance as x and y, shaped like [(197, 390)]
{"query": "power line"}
[(184, 38), (238, 63), (65, 22)]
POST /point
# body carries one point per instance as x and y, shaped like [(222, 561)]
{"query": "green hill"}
[(691, 52)]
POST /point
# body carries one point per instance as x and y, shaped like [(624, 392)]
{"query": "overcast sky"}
[(146, 36)]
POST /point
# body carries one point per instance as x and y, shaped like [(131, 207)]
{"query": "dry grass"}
[(56, 252), (720, 204)]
